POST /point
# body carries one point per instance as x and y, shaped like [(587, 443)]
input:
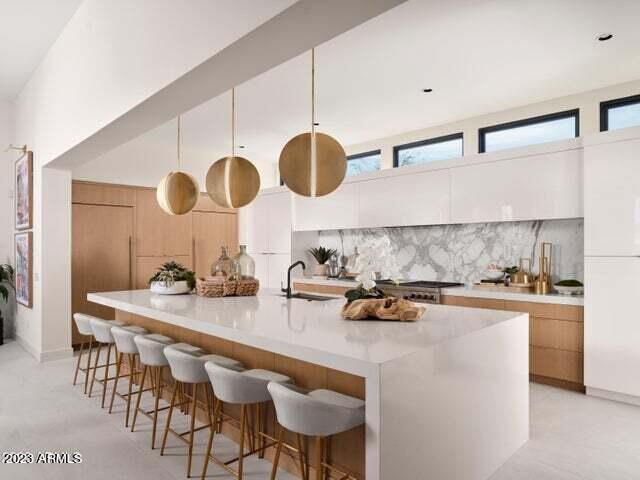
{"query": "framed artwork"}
[(24, 192), (24, 268)]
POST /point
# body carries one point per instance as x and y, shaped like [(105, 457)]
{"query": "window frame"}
[(356, 156), (606, 105), (422, 143), (573, 113)]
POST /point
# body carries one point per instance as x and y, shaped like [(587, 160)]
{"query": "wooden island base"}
[(347, 449)]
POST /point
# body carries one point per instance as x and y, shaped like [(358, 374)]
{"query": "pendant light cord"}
[(313, 91), (233, 122), (179, 141)]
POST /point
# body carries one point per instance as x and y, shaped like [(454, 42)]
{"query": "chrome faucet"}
[(294, 265)]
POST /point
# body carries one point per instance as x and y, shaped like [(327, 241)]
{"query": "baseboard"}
[(615, 396), (27, 347), (48, 356)]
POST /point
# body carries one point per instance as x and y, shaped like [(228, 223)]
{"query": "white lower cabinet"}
[(611, 324), (527, 188), (271, 269), (415, 199)]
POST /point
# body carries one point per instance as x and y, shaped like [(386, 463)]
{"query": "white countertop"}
[(309, 331), (466, 291)]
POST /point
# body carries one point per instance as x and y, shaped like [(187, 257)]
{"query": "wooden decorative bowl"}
[(390, 308)]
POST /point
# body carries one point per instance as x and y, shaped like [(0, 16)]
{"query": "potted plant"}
[(6, 283), (322, 256), (172, 279), (366, 289)]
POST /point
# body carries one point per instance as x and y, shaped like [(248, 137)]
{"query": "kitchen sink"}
[(308, 297)]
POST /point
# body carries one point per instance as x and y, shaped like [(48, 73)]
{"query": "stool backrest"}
[(83, 322), (232, 386), (186, 367), (124, 339), (151, 351), (102, 330)]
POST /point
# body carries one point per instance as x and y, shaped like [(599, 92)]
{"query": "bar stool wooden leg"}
[(106, 376), (276, 458), (95, 367), (135, 412), (132, 366), (158, 384), (319, 455), (75, 375), (304, 468), (88, 367), (243, 426), (166, 428), (212, 432), (192, 426), (115, 383)]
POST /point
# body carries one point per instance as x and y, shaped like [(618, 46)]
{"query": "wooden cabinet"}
[(102, 238), (211, 232), (158, 233)]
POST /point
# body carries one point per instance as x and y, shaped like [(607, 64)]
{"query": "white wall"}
[(6, 204), (587, 102)]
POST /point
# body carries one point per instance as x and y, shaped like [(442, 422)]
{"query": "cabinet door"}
[(256, 223), (279, 227), (612, 199), (158, 233), (278, 265), (211, 232), (262, 268), (101, 256), (146, 267), (536, 187), (419, 199), (337, 210), (611, 326)]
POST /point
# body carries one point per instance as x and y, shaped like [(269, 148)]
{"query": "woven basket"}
[(215, 287), (247, 287)]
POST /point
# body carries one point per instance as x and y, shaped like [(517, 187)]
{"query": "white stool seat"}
[(124, 336), (151, 349), (239, 386), (188, 366), (83, 322), (102, 329), (318, 413)]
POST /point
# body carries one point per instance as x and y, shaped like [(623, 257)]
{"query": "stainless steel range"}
[(417, 291)]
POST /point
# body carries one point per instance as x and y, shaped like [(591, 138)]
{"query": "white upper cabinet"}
[(612, 199), (267, 221), (542, 186), (415, 199), (337, 210)]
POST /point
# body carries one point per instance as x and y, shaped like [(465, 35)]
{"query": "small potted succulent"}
[(172, 279), (322, 256), (6, 285)]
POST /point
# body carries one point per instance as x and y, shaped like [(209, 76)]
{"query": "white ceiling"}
[(27, 29), (478, 56)]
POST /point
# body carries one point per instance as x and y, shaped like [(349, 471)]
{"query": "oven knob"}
[(413, 295), (406, 297)]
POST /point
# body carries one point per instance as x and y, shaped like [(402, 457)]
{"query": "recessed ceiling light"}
[(427, 90), (603, 37)]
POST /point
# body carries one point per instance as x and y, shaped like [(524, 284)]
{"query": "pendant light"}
[(177, 193), (313, 164), (233, 182)]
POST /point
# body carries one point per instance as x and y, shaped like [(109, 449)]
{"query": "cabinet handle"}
[(193, 253), (130, 266)]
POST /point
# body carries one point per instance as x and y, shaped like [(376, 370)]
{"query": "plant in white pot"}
[(172, 279), (322, 256)]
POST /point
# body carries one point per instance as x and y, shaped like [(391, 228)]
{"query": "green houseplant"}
[(6, 286), (172, 278), (322, 256)]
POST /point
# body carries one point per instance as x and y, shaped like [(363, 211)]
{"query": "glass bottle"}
[(225, 266), (246, 264)]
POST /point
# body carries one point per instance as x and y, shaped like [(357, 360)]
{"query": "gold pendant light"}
[(233, 182), (313, 164), (177, 193)]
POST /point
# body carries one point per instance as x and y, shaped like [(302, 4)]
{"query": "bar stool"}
[(247, 388), (125, 345), (83, 322), (153, 362), (318, 413), (187, 369), (102, 333)]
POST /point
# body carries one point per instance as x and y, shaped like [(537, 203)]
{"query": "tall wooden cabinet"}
[(121, 236)]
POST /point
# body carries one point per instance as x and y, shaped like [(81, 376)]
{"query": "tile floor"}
[(572, 436)]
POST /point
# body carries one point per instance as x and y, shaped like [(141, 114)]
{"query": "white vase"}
[(321, 271), (176, 288)]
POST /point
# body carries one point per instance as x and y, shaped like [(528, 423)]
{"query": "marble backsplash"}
[(461, 253)]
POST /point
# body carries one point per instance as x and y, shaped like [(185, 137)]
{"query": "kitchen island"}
[(447, 397)]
